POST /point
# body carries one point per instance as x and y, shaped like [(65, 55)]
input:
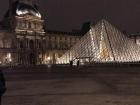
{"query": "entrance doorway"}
[(32, 59)]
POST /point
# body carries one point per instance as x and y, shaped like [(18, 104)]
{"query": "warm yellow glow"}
[(8, 57), (10, 60), (48, 58)]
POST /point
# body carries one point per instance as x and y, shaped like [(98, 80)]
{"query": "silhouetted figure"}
[(2, 85), (71, 63), (78, 62)]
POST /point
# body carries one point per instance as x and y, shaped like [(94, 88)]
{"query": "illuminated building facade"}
[(103, 43), (23, 39)]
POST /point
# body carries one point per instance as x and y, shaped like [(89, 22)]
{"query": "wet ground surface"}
[(101, 86)]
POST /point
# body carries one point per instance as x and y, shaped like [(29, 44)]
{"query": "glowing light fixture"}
[(9, 57), (48, 58)]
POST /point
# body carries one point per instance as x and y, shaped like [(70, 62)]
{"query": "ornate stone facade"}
[(23, 39)]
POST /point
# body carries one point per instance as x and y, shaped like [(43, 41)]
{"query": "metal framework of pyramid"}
[(103, 43)]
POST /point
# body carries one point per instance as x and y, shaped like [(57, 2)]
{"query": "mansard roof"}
[(20, 8)]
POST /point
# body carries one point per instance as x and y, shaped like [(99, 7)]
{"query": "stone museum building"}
[(24, 40)]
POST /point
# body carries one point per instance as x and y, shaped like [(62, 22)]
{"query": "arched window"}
[(32, 58), (1, 44), (31, 44), (40, 45), (21, 44)]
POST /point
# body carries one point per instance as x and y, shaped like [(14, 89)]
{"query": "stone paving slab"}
[(74, 89)]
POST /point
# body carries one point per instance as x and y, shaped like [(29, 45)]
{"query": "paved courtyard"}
[(99, 87)]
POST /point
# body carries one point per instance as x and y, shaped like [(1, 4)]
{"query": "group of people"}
[(71, 63), (2, 85)]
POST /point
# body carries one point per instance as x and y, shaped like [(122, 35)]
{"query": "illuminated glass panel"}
[(103, 43)]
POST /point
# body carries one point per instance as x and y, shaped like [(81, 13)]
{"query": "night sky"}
[(65, 15)]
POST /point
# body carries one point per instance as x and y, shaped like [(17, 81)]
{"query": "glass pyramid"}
[(103, 43)]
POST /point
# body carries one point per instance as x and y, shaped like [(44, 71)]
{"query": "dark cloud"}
[(68, 14)]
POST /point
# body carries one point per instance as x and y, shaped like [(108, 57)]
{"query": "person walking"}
[(2, 85), (71, 63), (78, 62)]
